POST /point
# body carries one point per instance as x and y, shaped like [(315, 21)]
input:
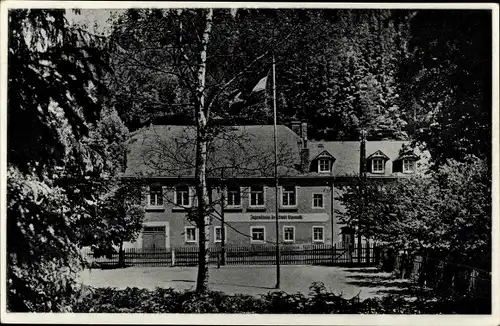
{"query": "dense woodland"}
[(74, 97)]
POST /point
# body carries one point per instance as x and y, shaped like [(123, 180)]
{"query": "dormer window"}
[(378, 165), (324, 165), (408, 165), (378, 160), (323, 162), (406, 162)]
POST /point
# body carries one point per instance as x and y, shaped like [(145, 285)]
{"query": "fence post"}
[(376, 254), (350, 249), (173, 257), (367, 246)]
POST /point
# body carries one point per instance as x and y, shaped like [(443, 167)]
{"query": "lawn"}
[(253, 280)]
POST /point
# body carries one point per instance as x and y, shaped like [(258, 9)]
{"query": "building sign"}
[(271, 217)]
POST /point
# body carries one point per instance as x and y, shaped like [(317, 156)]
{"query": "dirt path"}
[(253, 280)]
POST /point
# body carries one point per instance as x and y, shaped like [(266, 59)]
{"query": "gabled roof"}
[(239, 151), (407, 152), (377, 154), (324, 153), (408, 155)]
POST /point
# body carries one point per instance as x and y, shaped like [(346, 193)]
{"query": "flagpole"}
[(276, 178)]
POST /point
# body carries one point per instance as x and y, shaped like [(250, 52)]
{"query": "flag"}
[(261, 85), (250, 94), (255, 95), (236, 97)]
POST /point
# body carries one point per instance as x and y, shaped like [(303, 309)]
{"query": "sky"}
[(98, 20), (94, 20)]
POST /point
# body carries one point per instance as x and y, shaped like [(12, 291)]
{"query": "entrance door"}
[(153, 238)]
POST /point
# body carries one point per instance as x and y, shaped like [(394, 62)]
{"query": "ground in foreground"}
[(253, 280)]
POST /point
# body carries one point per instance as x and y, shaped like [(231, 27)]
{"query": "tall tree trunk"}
[(223, 226), (201, 160), (121, 256)]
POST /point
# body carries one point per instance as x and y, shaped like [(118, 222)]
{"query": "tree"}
[(117, 212), (53, 57), (120, 217), (448, 82), (446, 213), (193, 61), (54, 77)]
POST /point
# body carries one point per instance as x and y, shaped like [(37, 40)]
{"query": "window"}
[(288, 196), (233, 196), (318, 234), (324, 165), (257, 196), (155, 196), (218, 234), (182, 197), (378, 165), (258, 234), (190, 233), (288, 233), (317, 201), (408, 166)]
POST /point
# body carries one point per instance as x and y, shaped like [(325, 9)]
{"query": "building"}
[(241, 182)]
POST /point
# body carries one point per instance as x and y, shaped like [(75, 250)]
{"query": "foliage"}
[(42, 255), (447, 78), (319, 300), (350, 77), (54, 70), (120, 218), (343, 79), (59, 159), (392, 72), (448, 211)]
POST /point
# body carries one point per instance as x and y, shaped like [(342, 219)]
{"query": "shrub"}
[(319, 301), (42, 259), (281, 302)]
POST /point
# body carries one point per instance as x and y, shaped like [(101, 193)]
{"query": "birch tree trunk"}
[(201, 159)]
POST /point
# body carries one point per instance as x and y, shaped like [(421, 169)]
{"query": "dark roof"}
[(239, 151), (248, 151)]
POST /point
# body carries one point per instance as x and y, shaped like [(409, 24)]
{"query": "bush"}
[(42, 258), (319, 301)]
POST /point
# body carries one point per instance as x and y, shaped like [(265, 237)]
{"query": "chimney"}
[(362, 154), (295, 126), (304, 160), (303, 130)]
